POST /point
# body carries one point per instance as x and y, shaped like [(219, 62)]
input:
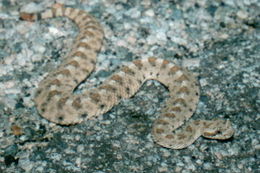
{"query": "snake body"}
[(56, 102)]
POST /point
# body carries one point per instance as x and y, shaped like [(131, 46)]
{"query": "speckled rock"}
[(216, 40)]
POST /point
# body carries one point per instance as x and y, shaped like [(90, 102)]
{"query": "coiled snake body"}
[(56, 102)]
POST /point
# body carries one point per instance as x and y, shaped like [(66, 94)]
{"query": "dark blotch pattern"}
[(128, 71), (77, 103)]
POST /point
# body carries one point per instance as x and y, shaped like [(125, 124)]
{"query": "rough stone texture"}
[(217, 40)]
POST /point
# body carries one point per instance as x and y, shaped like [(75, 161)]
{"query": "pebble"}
[(242, 14)]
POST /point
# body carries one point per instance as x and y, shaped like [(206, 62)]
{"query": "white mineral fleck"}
[(31, 8), (149, 13)]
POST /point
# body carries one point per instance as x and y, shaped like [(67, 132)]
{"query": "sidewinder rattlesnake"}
[(56, 102)]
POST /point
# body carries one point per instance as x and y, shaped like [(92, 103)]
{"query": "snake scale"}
[(56, 102)]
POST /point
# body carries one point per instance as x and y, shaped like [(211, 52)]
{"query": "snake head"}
[(218, 129)]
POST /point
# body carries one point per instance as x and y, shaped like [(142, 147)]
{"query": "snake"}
[(56, 102)]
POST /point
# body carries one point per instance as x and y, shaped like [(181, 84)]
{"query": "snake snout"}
[(221, 130)]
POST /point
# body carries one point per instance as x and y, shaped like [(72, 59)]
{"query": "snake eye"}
[(218, 132), (84, 115), (60, 118)]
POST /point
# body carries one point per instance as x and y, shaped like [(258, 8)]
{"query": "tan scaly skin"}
[(56, 102)]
